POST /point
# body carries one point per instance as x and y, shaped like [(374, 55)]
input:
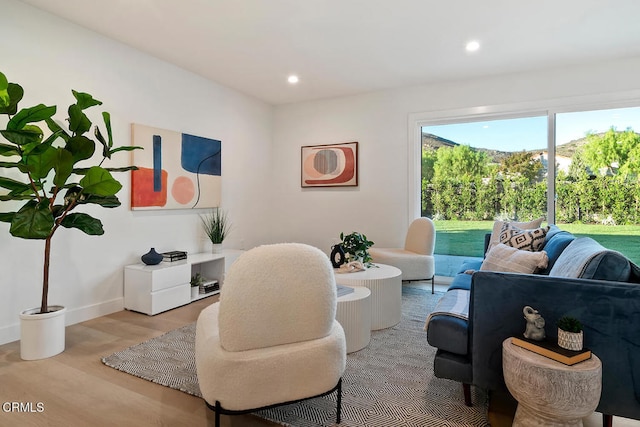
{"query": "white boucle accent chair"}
[(272, 338), (415, 260)]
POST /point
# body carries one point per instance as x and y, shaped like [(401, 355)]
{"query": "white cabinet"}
[(152, 289)]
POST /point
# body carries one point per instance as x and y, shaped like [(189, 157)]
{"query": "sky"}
[(531, 133)]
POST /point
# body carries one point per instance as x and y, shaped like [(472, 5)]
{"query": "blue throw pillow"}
[(555, 245)]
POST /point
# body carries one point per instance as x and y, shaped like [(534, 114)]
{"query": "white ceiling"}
[(343, 47)]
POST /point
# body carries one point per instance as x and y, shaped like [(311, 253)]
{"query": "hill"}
[(431, 141)]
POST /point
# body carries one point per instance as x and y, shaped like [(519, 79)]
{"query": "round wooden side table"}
[(385, 283), (550, 393)]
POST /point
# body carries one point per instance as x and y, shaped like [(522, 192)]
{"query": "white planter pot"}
[(570, 340), (217, 248), (195, 291), (42, 335)]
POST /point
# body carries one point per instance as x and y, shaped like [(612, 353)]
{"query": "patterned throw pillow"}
[(528, 240), (497, 227)]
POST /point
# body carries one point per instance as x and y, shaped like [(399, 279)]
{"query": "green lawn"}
[(466, 238)]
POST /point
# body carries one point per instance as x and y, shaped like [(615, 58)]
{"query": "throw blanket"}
[(583, 250), (454, 303)]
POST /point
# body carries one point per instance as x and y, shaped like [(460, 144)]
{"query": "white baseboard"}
[(11, 333)]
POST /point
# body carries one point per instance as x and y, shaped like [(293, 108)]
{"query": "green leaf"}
[(83, 222), (57, 130), (81, 147), (7, 216), (63, 167), (8, 150), (13, 185), (40, 161), (107, 122), (84, 100), (105, 202), (105, 146), (24, 136), (10, 165), (4, 94), (31, 115), (79, 123), (16, 93), (123, 169), (126, 148), (99, 181), (33, 221)]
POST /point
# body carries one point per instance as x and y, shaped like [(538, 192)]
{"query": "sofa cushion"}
[(554, 246), (532, 239), (586, 259), (470, 264), (461, 281), (497, 227), (505, 258), (447, 326)]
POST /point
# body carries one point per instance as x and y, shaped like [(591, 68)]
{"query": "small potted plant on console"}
[(570, 334)]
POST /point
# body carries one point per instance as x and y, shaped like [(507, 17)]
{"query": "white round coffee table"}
[(354, 314), (385, 283), (550, 393)]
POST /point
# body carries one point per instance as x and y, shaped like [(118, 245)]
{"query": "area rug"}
[(388, 383)]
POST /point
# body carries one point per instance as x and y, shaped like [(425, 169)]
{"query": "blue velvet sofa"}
[(605, 297)]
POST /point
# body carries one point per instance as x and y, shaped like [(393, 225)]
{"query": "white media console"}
[(152, 289)]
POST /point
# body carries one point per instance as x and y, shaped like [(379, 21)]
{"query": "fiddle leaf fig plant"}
[(54, 174)]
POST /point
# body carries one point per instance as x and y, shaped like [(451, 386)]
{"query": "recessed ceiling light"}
[(293, 79), (472, 46)]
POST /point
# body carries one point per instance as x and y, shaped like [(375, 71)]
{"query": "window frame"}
[(547, 108)]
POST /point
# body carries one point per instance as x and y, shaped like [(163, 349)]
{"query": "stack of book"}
[(552, 350), (174, 256), (209, 286)]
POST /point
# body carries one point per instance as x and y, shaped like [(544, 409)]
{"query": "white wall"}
[(380, 206), (49, 57)]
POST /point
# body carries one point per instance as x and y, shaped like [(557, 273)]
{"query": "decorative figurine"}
[(338, 256), (535, 324)]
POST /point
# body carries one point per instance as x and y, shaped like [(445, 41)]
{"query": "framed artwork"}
[(333, 165), (175, 170)]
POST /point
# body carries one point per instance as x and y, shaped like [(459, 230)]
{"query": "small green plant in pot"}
[(356, 247), (53, 175), (216, 226), (570, 334)]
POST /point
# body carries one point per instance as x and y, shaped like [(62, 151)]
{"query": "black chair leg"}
[(339, 408), (433, 284), (607, 420), (466, 388), (218, 410)]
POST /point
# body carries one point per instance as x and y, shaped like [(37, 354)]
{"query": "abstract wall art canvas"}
[(175, 170), (333, 165)]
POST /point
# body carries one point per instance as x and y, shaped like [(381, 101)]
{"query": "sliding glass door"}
[(598, 176), (474, 172)]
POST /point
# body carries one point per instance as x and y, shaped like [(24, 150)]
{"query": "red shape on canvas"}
[(142, 193)]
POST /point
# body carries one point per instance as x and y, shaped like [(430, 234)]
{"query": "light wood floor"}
[(76, 389)]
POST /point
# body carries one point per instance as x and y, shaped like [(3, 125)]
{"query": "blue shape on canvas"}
[(201, 155)]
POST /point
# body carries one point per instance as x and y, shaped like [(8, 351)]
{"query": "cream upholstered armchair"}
[(272, 338), (415, 260)]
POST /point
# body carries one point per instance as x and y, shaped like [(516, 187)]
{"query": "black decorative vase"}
[(337, 256), (152, 257)]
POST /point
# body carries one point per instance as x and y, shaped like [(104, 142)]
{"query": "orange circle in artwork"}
[(183, 190)]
